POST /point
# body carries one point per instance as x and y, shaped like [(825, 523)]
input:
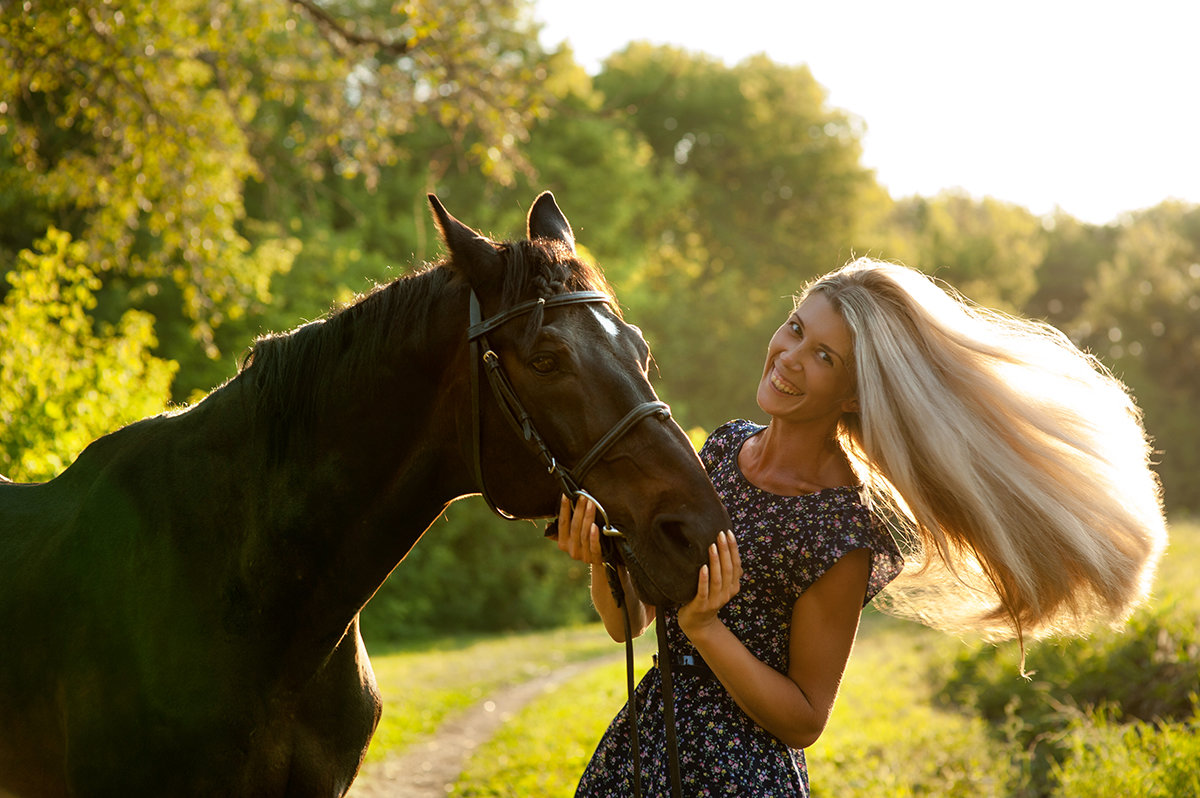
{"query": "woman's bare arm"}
[(794, 706)]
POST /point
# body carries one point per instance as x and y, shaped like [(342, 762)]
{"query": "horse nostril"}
[(672, 535)]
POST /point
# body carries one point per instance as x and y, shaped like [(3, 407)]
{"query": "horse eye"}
[(543, 364)]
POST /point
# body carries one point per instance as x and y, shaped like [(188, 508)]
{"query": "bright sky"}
[(1092, 106)]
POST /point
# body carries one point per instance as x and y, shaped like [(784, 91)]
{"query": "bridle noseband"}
[(569, 479)]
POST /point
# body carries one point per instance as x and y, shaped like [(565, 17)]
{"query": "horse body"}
[(129, 547), (171, 621), (179, 608)]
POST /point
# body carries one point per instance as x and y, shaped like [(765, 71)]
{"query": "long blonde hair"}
[(1014, 466)]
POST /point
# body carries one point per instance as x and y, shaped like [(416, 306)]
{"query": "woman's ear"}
[(850, 405)]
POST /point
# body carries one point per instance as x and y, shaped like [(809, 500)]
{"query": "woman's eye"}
[(794, 327), (543, 364)]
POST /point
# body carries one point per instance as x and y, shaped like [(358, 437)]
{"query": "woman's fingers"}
[(585, 512), (578, 534), (737, 561), (594, 555), (730, 574), (582, 517), (717, 583), (564, 523), (725, 568)]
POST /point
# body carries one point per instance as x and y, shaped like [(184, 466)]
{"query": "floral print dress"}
[(786, 543)]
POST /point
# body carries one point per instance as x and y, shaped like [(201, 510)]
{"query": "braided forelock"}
[(545, 268)]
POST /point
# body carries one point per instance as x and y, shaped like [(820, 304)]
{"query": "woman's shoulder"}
[(815, 530), (851, 514), (730, 435), (863, 527)]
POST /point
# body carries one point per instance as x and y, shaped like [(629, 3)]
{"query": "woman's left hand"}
[(719, 581)]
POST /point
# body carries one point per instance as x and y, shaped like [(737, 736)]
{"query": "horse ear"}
[(547, 221), (472, 253)]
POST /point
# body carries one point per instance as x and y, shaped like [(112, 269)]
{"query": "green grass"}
[(886, 695), (889, 738), (546, 747), (424, 683), (892, 733), (1149, 761), (1177, 573)]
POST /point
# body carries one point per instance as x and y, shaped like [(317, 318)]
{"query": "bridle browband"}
[(571, 482)]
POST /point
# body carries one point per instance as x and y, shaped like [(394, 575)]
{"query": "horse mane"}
[(295, 373)]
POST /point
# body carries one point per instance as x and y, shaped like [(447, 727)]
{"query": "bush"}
[(1149, 673), (1149, 760), (1146, 672), (475, 572), (66, 379)]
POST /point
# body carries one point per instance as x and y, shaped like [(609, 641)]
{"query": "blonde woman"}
[(1011, 468)]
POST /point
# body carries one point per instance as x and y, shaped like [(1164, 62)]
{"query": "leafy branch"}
[(328, 24)]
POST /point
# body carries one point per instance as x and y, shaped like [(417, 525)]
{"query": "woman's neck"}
[(791, 459)]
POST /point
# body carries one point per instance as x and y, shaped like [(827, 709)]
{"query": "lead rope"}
[(618, 593), (663, 661), (664, 664), (519, 418)]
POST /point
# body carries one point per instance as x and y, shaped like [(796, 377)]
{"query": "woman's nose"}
[(791, 356)]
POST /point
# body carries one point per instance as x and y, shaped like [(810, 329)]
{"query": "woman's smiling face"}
[(808, 375)]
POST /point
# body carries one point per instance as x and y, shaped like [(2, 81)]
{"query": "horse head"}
[(588, 413)]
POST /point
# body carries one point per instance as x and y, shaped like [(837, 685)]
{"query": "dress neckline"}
[(737, 469)]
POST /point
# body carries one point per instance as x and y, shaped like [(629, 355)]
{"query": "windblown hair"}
[(1014, 466)]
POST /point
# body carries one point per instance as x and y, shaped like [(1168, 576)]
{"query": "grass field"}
[(424, 683), (893, 733), (886, 692)]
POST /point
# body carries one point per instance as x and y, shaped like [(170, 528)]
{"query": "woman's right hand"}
[(578, 534), (579, 537)]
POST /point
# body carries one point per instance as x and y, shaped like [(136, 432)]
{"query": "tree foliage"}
[(176, 178), (767, 190), (988, 250), (129, 123), (1142, 316), (68, 380), (139, 124)]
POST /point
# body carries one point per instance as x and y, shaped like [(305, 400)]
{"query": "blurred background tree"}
[(1142, 318), (177, 178), (769, 193)]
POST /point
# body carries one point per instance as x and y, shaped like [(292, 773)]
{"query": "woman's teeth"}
[(782, 385)]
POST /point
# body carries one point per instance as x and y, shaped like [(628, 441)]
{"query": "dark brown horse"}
[(179, 608)]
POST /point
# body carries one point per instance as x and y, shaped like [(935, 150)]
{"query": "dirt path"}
[(429, 769)]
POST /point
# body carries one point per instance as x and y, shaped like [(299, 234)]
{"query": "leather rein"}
[(612, 542)]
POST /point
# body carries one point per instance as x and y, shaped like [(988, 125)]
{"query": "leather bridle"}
[(571, 480)]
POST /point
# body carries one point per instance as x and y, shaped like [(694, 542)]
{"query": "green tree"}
[(136, 127), (1142, 317), (988, 250), (118, 115), (475, 572), (777, 172), (773, 193), (1074, 252), (66, 380)]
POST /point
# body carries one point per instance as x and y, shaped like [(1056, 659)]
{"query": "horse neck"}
[(356, 484)]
